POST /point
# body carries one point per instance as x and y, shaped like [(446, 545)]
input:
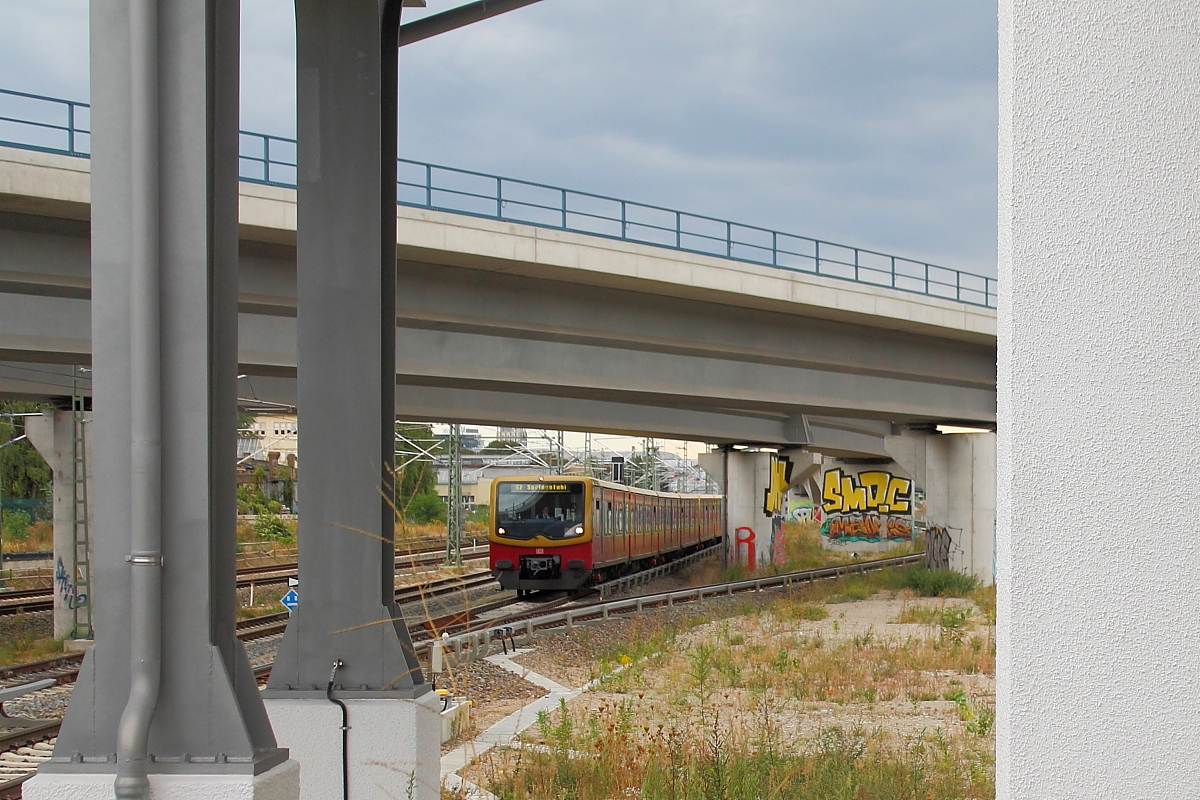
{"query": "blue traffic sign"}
[(290, 600)]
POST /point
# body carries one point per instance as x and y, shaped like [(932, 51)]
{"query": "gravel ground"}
[(658, 687), (567, 656), (494, 693), (262, 651), (47, 704), (35, 623)]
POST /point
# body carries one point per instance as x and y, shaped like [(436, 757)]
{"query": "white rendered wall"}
[(1099, 376)]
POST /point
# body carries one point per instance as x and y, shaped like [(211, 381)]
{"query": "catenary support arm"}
[(457, 18)]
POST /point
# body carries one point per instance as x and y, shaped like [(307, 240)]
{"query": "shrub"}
[(16, 526), (938, 582), (425, 508), (269, 526)]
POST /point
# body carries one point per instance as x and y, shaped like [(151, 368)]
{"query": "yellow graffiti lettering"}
[(831, 491), (773, 500), (899, 492), (854, 498), (876, 484), (872, 490)]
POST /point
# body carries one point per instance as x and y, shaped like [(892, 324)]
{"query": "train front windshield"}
[(526, 510)]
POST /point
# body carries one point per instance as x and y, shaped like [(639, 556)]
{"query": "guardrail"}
[(479, 644), (618, 585), (51, 125)]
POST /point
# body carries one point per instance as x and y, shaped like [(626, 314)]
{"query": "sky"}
[(865, 122)]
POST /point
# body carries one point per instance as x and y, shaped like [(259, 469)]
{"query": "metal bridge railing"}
[(52, 125)]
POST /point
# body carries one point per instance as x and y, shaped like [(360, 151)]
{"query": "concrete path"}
[(506, 729)]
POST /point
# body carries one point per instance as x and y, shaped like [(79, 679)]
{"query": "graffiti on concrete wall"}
[(743, 547), (871, 505), (65, 586), (801, 509)]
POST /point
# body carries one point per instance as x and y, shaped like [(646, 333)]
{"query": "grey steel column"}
[(208, 716), (346, 321)]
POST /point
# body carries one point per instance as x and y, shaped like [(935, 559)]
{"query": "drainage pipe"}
[(145, 556)]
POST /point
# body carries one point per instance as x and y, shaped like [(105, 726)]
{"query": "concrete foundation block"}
[(393, 747), (279, 783), (453, 719)]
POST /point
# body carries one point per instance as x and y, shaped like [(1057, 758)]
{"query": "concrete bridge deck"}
[(500, 322)]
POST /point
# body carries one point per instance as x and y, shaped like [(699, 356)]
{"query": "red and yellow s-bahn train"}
[(561, 532)]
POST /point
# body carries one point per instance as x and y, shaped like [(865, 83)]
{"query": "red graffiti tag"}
[(748, 540)]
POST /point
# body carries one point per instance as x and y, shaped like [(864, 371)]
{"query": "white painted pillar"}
[(957, 472), (1099, 371), (971, 502), (51, 435), (749, 529)]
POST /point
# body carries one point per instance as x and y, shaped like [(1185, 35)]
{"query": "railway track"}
[(21, 750), (273, 624), (26, 600)]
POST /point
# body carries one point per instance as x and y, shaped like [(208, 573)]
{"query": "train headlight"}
[(578, 531), (500, 531)]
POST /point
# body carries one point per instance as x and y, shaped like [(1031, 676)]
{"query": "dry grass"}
[(25, 646), (608, 753), (789, 698), (39, 538)]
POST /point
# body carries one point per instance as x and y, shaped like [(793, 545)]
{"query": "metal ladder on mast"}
[(454, 508), (82, 605)]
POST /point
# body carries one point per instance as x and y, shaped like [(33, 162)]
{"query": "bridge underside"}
[(503, 340)]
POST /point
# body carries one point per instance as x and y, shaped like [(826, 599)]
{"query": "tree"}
[(426, 508), (23, 471), (414, 472), (500, 447)]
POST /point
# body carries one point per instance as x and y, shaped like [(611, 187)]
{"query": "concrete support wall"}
[(744, 478), (957, 473), (1099, 370), (748, 534), (51, 435)]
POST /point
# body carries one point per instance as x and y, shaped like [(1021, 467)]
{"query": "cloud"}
[(871, 122)]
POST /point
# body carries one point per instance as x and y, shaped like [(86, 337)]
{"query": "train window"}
[(547, 509)]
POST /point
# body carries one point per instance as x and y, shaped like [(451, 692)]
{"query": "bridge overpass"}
[(503, 322), (612, 317)]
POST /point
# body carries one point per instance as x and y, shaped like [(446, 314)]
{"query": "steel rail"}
[(28, 600), (476, 644)]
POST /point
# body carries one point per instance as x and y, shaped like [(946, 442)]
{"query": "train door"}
[(623, 523), (598, 528), (656, 521), (694, 506), (643, 531), (648, 526), (639, 534)]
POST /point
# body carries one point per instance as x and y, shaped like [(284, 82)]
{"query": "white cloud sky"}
[(867, 122)]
